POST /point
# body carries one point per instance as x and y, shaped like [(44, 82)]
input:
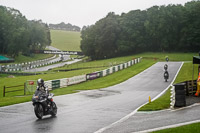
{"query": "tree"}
[(18, 35), (101, 41)]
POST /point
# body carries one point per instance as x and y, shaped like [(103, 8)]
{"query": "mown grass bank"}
[(66, 40)]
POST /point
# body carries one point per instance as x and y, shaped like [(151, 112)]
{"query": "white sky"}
[(79, 12)]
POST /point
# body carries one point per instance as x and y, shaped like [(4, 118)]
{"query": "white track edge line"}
[(132, 113)]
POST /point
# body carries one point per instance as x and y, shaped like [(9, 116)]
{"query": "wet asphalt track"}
[(89, 111), (46, 68)]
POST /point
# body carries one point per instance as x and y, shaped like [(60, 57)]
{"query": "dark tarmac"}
[(93, 110)]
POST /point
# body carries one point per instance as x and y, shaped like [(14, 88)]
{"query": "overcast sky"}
[(79, 12)]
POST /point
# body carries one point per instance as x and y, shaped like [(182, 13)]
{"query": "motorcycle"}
[(44, 104), (166, 75)]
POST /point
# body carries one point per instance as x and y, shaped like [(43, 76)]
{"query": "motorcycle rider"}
[(42, 88)]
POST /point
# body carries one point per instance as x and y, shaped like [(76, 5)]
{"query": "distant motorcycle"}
[(166, 74), (43, 104)]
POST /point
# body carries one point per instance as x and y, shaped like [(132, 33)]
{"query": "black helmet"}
[(40, 82)]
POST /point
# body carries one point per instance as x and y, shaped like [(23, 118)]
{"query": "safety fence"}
[(17, 88), (28, 65), (60, 83)]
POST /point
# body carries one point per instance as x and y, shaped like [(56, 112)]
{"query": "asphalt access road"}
[(89, 111), (46, 68), (142, 121)]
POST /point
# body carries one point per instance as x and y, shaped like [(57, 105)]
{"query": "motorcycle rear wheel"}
[(39, 111)]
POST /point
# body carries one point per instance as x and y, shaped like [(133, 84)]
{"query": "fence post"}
[(25, 88), (4, 90)]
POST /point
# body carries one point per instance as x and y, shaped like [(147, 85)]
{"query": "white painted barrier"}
[(76, 80), (172, 97)]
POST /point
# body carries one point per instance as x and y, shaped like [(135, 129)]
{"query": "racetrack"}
[(89, 111)]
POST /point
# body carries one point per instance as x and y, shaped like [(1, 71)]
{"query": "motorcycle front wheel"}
[(39, 112), (53, 109)]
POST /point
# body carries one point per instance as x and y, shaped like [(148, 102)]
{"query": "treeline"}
[(19, 35), (171, 28), (63, 26)]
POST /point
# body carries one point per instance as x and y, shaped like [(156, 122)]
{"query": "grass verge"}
[(66, 40)]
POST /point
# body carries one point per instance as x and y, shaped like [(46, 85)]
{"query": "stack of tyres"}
[(180, 97)]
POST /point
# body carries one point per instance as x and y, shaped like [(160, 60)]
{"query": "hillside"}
[(66, 40)]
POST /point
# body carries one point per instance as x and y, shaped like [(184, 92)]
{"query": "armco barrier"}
[(59, 83), (76, 80), (92, 76)]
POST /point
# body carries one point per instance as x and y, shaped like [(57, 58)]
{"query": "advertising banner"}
[(63, 82), (56, 52), (92, 76), (55, 84), (48, 84), (31, 86), (76, 79)]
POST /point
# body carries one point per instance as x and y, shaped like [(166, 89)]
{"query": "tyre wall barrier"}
[(60, 83), (178, 95)]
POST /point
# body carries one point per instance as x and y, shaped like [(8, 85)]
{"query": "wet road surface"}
[(46, 68), (89, 111)]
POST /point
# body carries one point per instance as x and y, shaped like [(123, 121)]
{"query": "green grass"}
[(185, 74), (66, 40), (162, 102), (98, 63), (191, 128)]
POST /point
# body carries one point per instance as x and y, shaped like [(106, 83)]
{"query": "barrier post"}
[(25, 88), (4, 91)]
